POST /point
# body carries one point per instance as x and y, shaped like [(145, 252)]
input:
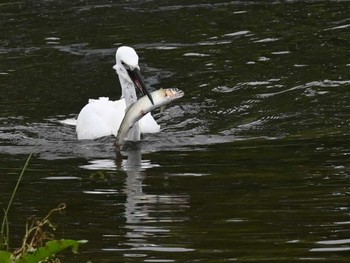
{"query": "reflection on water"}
[(336, 245), (251, 165), (139, 207), (143, 225)]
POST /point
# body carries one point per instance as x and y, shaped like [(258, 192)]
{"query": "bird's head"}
[(127, 67)]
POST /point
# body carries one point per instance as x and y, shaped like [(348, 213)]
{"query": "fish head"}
[(174, 93)]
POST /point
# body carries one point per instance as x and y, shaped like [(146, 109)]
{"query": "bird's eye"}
[(126, 66)]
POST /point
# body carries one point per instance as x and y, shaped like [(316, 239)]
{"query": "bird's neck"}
[(128, 91), (129, 94), (134, 133)]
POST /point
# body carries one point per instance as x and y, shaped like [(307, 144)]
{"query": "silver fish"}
[(142, 106)]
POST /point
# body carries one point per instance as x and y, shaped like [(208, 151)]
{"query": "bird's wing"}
[(100, 118), (148, 124)]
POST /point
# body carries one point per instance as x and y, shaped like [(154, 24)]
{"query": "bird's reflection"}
[(142, 213), (147, 217), (133, 186)]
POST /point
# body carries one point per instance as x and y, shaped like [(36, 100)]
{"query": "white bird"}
[(102, 117)]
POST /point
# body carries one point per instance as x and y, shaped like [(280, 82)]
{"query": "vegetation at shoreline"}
[(38, 243)]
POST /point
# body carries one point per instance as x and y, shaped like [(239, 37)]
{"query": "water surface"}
[(251, 165)]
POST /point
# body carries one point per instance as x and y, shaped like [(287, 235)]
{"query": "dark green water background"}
[(252, 165)]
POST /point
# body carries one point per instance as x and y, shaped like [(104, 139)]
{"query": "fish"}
[(142, 106)]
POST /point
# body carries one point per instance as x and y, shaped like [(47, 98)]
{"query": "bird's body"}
[(102, 117)]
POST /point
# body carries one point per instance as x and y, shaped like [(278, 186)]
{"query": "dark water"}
[(252, 165)]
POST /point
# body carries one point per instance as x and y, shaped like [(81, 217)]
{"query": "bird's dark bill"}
[(136, 77)]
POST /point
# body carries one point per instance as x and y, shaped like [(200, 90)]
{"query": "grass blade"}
[(4, 233)]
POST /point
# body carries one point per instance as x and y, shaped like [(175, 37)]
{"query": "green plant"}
[(38, 244), (4, 232)]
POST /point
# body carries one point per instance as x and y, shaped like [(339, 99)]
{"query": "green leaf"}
[(50, 249), (5, 257)]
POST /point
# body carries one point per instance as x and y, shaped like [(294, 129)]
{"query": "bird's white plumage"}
[(102, 117)]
